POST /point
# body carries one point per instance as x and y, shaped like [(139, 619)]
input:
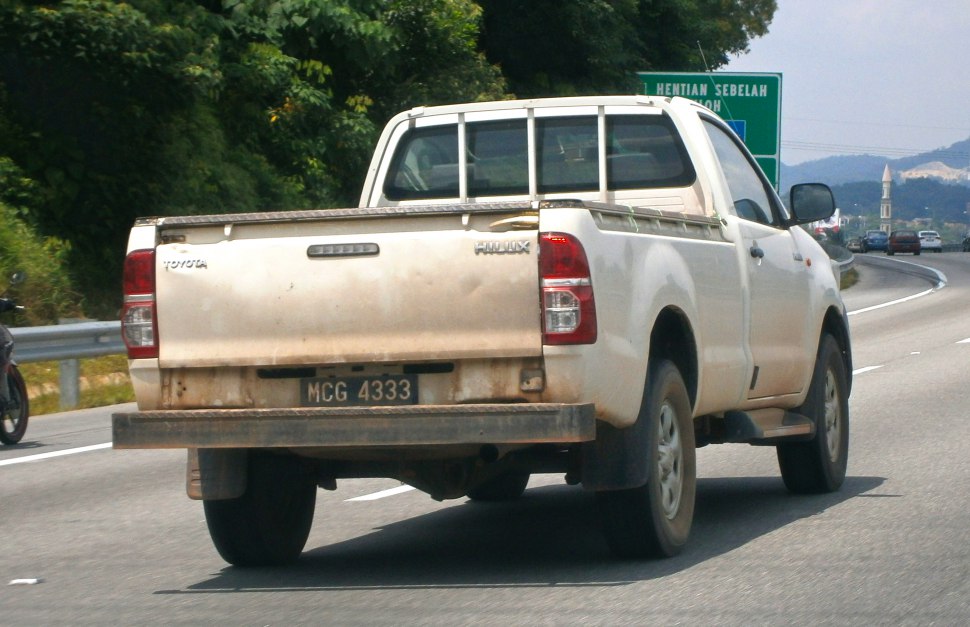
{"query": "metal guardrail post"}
[(70, 382), (69, 376)]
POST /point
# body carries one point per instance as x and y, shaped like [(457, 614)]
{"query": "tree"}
[(47, 294), (561, 47), (436, 60), (102, 109)]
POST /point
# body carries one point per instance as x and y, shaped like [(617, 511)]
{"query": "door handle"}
[(756, 252)]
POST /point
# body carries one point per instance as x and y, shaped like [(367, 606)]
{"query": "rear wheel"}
[(13, 419), (819, 465), (269, 524), (505, 487), (654, 520)]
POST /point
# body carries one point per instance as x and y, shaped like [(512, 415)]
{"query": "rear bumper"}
[(415, 425)]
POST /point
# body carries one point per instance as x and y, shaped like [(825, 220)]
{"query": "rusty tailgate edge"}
[(355, 426)]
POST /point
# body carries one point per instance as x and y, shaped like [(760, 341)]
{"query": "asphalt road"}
[(97, 536)]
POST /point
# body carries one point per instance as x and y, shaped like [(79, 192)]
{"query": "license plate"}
[(359, 391)]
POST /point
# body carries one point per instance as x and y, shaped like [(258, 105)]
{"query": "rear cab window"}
[(591, 157)]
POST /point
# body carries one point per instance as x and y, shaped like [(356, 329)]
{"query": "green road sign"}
[(750, 103)]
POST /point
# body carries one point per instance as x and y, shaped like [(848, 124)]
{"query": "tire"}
[(654, 520), (13, 421), (505, 487), (819, 465), (269, 524)]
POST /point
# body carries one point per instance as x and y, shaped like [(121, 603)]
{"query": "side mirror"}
[(811, 202)]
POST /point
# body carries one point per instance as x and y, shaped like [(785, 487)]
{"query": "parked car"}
[(903, 242), (930, 240), (854, 245), (874, 240)]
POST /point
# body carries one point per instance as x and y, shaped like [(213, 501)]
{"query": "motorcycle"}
[(14, 405)]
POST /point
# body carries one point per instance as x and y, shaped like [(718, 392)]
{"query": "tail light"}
[(139, 324), (568, 308)]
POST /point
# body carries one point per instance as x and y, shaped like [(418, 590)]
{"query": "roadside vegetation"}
[(104, 381), (849, 279), (47, 294)]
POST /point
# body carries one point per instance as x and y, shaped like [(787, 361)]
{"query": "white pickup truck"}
[(588, 286)]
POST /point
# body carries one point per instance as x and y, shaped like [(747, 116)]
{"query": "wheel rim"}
[(11, 421), (13, 414), (670, 461), (833, 417)]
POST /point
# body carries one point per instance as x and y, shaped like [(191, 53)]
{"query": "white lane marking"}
[(866, 369), (383, 493), (966, 341), (890, 303), (941, 282), (40, 456)]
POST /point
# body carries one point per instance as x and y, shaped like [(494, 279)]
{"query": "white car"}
[(930, 240)]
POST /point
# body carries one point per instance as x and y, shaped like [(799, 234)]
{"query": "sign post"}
[(749, 102)]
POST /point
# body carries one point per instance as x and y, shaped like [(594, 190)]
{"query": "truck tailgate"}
[(408, 288)]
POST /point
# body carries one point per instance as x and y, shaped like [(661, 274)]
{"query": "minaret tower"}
[(886, 204)]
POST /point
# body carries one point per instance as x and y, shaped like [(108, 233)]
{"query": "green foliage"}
[(46, 294), (699, 35), (564, 47), (437, 60), (849, 279), (91, 89), (16, 189)]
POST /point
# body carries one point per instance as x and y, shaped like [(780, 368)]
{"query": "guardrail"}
[(67, 343)]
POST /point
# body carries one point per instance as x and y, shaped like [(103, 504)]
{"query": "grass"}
[(104, 381), (850, 278)]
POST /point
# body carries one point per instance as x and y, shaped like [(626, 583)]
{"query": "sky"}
[(879, 77)]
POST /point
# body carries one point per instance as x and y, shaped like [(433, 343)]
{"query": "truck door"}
[(778, 280)]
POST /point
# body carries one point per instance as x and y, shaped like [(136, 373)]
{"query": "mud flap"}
[(616, 459), (216, 474)]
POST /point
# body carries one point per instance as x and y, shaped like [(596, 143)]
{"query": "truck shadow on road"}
[(551, 537)]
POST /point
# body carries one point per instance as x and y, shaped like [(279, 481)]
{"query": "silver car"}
[(930, 240)]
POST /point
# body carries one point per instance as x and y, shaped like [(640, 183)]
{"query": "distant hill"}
[(948, 165)]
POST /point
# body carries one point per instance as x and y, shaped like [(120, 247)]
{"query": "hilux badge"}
[(520, 247)]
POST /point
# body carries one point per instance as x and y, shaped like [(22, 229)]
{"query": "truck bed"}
[(340, 287)]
